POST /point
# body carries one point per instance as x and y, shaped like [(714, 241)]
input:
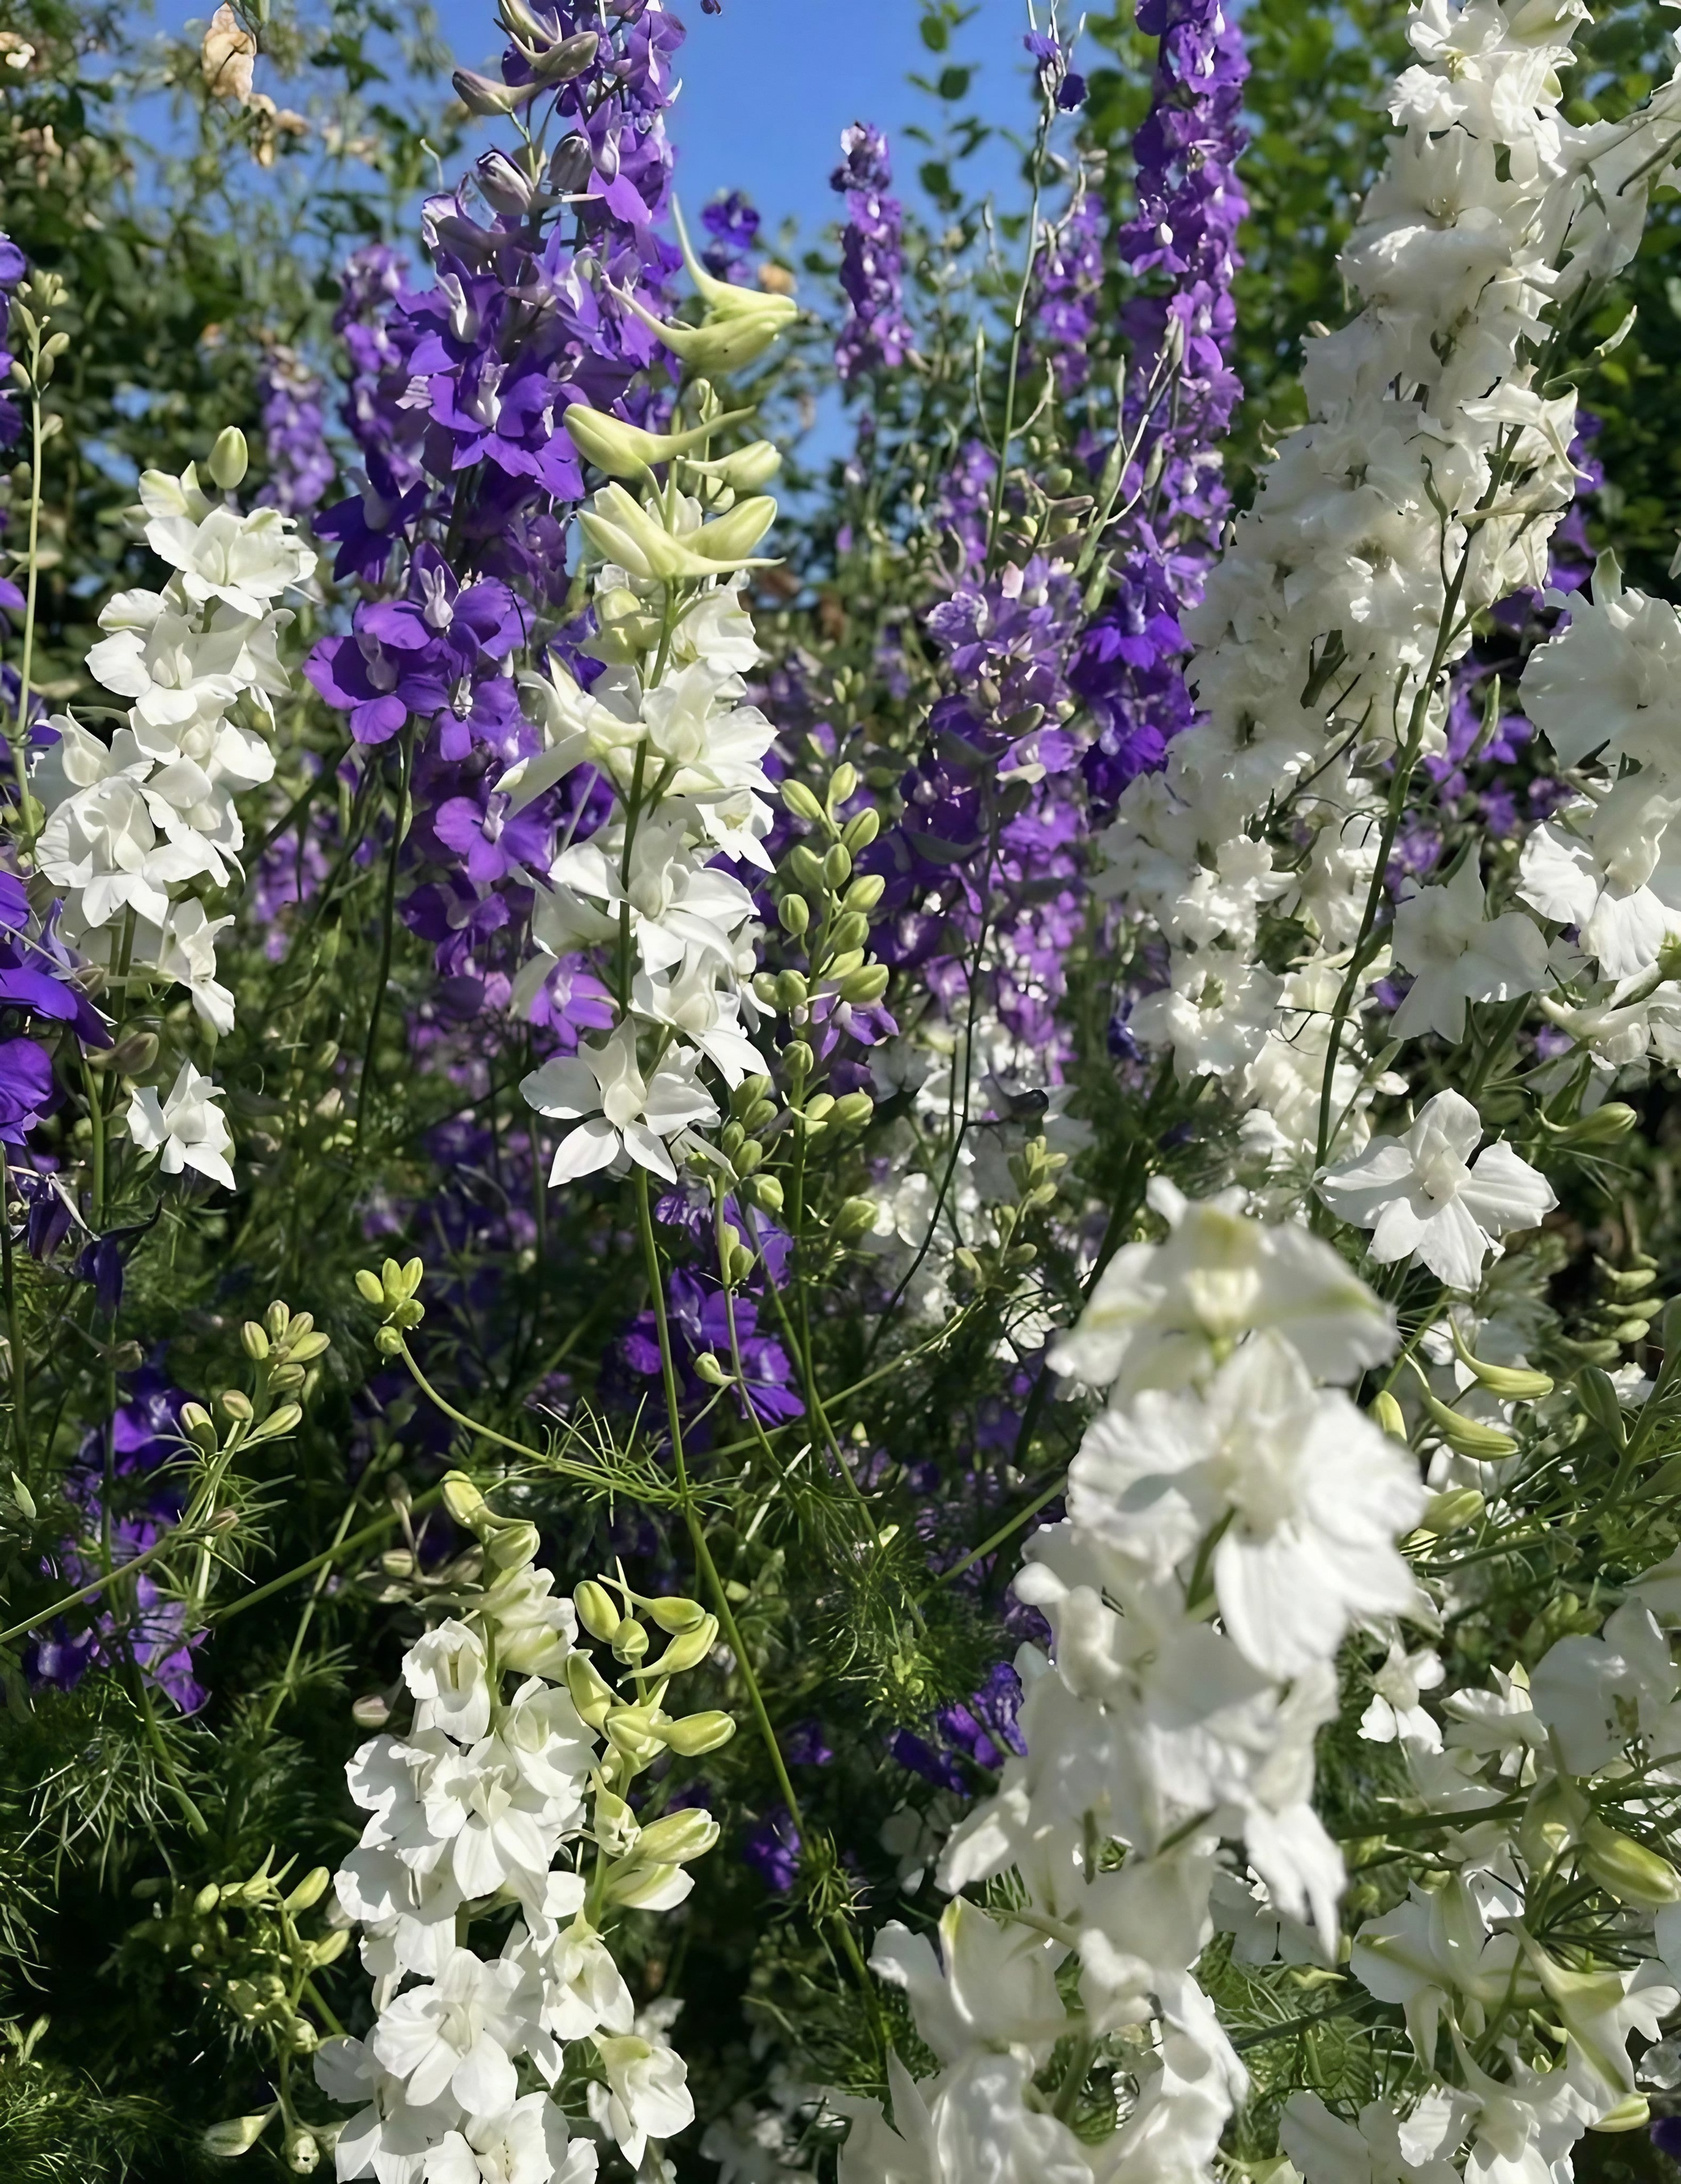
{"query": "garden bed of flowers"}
[(836, 1327)]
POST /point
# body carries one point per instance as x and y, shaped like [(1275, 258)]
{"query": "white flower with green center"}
[(620, 1114), (1425, 1198)]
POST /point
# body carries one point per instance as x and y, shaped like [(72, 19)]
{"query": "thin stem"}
[(387, 925), (308, 1616), (25, 669), (176, 1539), (13, 1324)]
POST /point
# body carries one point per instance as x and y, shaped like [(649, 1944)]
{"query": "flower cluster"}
[(470, 1809), (1231, 1514), (1423, 492), (877, 335)]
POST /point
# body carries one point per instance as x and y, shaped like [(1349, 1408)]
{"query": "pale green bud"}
[(597, 1610), (229, 459), (228, 2140), (708, 1368), (748, 469), (1632, 2113), (302, 2154), (697, 1734), (1607, 1126), (1626, 1870), (862, 988), (794, 914), (724, 301), (679, 1838), (641, 1887), (630, 1642), (484, 96), (511, 1546), (589, 1690), (254, 1341), (369, 1287), (687, 1649), (800, 801), (675, 1614), (1512, 1383), (730, 345), (207, 1899), (466, 1506), (626, 450), (630, 1729), (329, 1949), (728, 540), (310, 1890), (1451, 1510), (1469, 1436), (855, 1218)]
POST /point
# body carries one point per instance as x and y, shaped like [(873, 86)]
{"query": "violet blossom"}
[(877, 336)]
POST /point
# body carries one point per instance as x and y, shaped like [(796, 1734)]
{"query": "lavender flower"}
[(1185, 225), (877, 335), (733, 223), (300, 468)]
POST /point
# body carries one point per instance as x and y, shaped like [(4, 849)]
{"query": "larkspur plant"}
[(978, 1477)]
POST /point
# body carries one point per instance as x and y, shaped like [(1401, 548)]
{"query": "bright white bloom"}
[(1610, 682), (1394, 1713), (1159, 1310), (1610, 866), (445, 1669), (646, 2095), (528, 2143), (1213, 1015), (1308, 1494), (1457, 954), (186, 1130), (1425, 1198), (452, 2035), (972, 2122), (620, 1113)]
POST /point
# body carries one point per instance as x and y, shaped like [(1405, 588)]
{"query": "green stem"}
[(13, 1324), (307, 1617), (715, 1584), (387, 930), (25, 670), (89, 1591)]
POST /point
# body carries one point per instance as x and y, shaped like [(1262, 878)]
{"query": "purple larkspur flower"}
[(733, 223), (877, 335), (772, 1847)]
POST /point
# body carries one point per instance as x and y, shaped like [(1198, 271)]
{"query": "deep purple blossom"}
[(772, 1847), (733, 223), (877, 336)]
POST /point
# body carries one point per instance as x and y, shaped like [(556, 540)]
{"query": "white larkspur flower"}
[(618, 1112), (1159, 1310), (1425, 1198), (1304, 1496), (447, 1672), (1457, 954), (646, 2095), (452, 2035), (528, 2143), (187, 1129)]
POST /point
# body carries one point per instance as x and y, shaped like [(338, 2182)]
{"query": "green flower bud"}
[(799, 799), (254, 1341), (852, 1109), (794, 914), (1607, 1126), (1600, 1400), (280, 1421), (806, 866), (837, 864), (1632, 2113), (207, 1899), (697, 1734), (724, 301), (641, 1886), (766, 1192), (687, 1649), (465, 1505), (329, 1949), (679, 1838), (1553, 1819), (484, 96), (199, 1427), (237, 1405), (370, 1287), (570, 57), (861, 988), (1451, 1510), (1512, 1383), (1626, 1870), (229, 459), (626, 451), (511, 1546), (591, 1693), (630, 1729), (630, 1642), (1469, 1437), (849, 932), (310, 1890), (728, 344), (748, 469), (817, 1108), (865, 892), (862, 829), (370, 1711), (1386, 1412), (387, 1342), (303, 2154), (599, 1613), (671, 1612), (228, 2140), (707, 1368), (855, 1218)]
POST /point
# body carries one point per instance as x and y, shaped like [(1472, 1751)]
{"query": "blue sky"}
[(769, 86)]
